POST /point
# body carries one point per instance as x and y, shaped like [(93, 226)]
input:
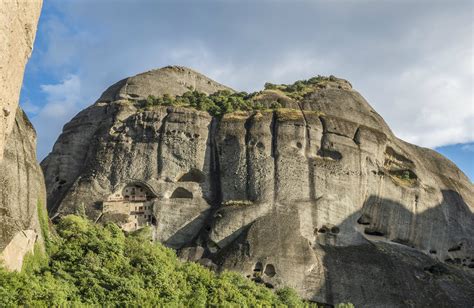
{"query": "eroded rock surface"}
[(20, 245), (18, 20), (21, 180), (318, 195), (22, 191)]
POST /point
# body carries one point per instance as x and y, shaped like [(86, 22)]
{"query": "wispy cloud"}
[(412, 61), (468, 147), (29, 107), (63, 100)]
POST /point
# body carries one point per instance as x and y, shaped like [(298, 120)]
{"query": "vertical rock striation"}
[(318, 195), (22, 188), (22, 192), (18, 20)]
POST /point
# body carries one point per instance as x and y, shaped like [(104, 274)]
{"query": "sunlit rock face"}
[(318, 195), (22, 193), (22, 188), (18, 21)]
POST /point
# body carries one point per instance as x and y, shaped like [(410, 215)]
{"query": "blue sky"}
[(412, 60)]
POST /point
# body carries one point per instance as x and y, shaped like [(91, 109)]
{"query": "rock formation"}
[(318, 195), (18, 20), (22, 183), (21, 180)]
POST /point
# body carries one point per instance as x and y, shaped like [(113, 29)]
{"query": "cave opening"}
[(270, 270), (258, 267)]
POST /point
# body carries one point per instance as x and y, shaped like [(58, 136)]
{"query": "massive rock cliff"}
[(22, 188), (22, 193), (318, 195), (18, 20)]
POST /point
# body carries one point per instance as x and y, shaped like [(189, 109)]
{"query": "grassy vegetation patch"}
[(217, 104), (286, 114), (224, 101), (44, 226), (35, 260), (403, 177), (237, 116), (300, 88), (237, 203)]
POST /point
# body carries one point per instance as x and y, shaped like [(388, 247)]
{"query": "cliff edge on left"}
[(22, 191)]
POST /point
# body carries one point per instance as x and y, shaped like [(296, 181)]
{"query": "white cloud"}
[(63, 100), (29, 107), (67, 91), (413, 62), (430, 103)]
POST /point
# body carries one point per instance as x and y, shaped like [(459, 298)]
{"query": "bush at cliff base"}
[(100, 265)]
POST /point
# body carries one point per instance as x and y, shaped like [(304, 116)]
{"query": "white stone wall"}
[(139, 213)]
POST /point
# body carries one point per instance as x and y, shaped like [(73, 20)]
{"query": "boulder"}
[(22, 194)]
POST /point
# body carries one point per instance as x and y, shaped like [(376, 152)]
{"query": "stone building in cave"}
[(132, 206), (137, 204)]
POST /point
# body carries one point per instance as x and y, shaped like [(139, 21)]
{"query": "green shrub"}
[(289, 297), (36, 260), (44, 226), (275, 105), (406, 175), (270, 86)]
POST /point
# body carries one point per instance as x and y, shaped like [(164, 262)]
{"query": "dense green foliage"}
[(216, 104), (224, 101), (297, 86), (298, 89), (93, 264), (44, 224)]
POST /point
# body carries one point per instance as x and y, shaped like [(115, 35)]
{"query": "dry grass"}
[(316, 113), (287, 114), (271, 93), (403, 182), (236, 116), (237, 203)]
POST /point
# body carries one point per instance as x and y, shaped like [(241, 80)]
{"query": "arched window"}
[(137, 192)]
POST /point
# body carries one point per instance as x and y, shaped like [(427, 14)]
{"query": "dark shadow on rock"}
[(395, 267), (393, 264), (188, 233)]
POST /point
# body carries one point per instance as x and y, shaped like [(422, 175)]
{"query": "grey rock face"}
[(21, 180), (22, 187), (319, 195)]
